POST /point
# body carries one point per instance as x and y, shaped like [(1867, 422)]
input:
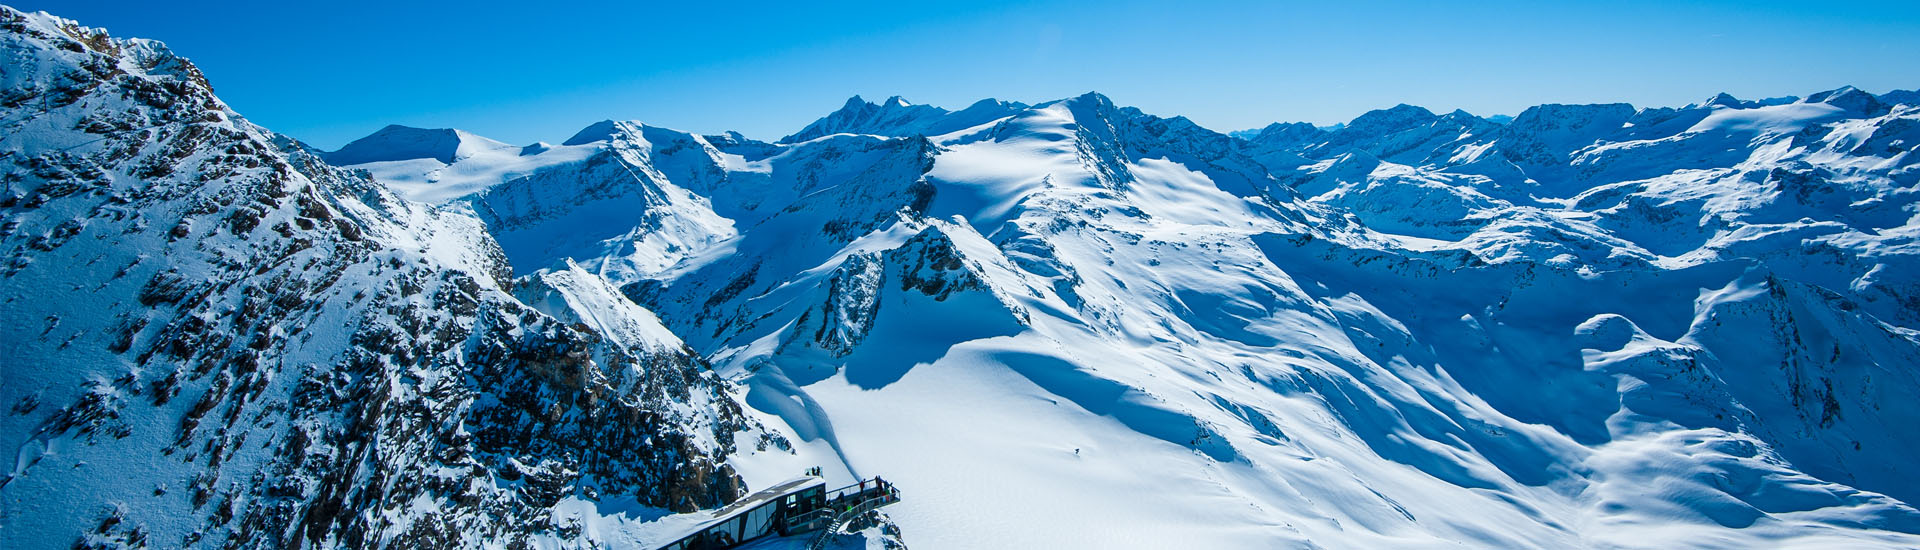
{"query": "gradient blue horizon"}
[(523, 72)]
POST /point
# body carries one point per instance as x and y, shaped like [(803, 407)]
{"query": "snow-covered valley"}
[(1070, 324)]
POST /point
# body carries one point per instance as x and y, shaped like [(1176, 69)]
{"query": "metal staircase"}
[(851, 506)]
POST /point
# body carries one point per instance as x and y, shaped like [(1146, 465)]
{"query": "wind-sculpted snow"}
[(439, 165), (616, 207), (896, 117), (1585, 326), (396, 143), (214, 339)]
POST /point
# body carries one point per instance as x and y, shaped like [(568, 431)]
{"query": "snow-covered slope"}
[(439, 165), (1404, 358), (214, 339), (1579, 327), (395, 143), (896, 117), (617, 207), (1064, 325)]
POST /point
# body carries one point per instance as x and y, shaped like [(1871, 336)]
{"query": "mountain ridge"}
[(246, 347)]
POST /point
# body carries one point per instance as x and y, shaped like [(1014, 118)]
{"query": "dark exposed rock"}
[(330, 378)]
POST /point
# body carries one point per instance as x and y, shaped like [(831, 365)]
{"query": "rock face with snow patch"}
[(616, 207), (217, 340)]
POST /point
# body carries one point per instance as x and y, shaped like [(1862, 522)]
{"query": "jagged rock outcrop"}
[(218, 340)]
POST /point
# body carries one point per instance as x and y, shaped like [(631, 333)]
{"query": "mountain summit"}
[(239, 345), (396, 142), (897, 117)]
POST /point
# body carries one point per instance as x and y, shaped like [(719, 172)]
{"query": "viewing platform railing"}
[(849, 503)]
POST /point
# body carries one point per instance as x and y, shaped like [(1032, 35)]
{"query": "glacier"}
[(1070, 324)]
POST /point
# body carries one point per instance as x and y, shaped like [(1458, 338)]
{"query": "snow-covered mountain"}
[(1071, 324), (896, 117), (438, 165), (1412, 329), (214, 339)]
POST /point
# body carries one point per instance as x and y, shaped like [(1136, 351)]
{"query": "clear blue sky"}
[(525, 71)]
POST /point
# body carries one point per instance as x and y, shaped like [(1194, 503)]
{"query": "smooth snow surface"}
[(435, 166)]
